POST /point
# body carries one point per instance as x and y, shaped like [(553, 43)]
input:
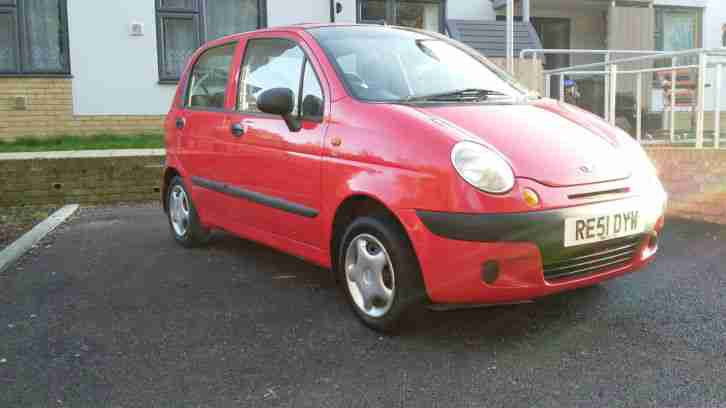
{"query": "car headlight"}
[(482, 168)]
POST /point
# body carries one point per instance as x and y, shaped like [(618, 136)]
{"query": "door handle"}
[(180, 122), (237, 129)]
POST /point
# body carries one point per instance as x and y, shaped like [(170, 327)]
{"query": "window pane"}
[(372, 10), (208, 81), (44, 36), (269, 63), (226, 17), (178, 4), (312, 100), (677, 29), (8, 50), (419, 15), (179, 40)]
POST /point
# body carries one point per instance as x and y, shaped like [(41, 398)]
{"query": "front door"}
[(278, 180), (554, 33)]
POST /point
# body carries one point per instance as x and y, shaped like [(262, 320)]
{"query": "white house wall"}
[(114, 73), (117, 74)]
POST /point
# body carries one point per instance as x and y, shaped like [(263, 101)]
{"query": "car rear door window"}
[(208, 80)]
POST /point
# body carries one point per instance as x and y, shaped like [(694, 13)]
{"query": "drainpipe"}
[(525, 11), (510, 36)]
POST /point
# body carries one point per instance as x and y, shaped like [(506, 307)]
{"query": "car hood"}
[(552, 143)]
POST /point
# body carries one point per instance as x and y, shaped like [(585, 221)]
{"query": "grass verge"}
[(95, 142)]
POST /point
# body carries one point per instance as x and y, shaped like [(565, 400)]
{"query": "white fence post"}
[(701, 106), (562, 87), (510, 37), (717, 110), (613, 93), (548, 85), (606, 90), (639, 108), (673, 100)]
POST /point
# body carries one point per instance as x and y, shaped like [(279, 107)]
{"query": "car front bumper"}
[(459, 253)]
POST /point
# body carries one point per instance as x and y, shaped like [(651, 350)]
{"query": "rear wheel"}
[(380, 273), (183, 219)]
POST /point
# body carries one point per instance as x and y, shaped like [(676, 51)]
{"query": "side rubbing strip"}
[(255, 197)]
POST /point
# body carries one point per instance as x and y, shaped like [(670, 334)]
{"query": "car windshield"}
[(385, 64)]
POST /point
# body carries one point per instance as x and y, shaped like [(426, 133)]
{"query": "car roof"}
[(307, 26)]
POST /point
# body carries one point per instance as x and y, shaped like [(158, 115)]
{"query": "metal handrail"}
[(611, 75), (535, 51), (670, 54)]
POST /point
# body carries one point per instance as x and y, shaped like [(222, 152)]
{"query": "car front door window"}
[(269, 63), (311, 106)]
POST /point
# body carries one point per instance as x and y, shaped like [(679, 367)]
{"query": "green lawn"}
[(96, 142)]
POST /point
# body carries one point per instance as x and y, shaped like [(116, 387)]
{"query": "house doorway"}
[(554, 33)]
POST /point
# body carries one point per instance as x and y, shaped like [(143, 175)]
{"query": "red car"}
[(408, 164)]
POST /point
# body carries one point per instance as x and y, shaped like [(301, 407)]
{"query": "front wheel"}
[(183, 219), (381, 276)]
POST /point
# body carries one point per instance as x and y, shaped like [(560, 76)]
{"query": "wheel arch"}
[(169, 174), (354, 206)]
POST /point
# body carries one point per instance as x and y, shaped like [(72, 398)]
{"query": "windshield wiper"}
[(468, 94)]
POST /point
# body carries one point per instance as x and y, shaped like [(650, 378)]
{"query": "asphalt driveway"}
[(109, 311)]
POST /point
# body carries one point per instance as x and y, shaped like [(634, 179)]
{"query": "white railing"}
[(714, 59), (607, 55), (534, 52)]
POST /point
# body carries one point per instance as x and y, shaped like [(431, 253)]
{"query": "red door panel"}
[(280, 165)]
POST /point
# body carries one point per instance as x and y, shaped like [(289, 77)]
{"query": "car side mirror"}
[(279, 101)]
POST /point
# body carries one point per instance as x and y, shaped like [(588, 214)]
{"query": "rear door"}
[(206, 138), (281, 184)]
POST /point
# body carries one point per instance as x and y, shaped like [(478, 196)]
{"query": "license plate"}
[(588, 230)]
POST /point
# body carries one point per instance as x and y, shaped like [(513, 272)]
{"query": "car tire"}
[(368, 243), (182, 215)]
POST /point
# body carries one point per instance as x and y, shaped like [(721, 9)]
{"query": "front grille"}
[(595, 194), (593, 258)]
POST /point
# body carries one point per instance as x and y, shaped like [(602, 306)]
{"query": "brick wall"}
[(48, 111), (86, 177), (695, 180)]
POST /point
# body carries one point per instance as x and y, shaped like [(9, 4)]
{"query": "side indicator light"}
[(530, 197)]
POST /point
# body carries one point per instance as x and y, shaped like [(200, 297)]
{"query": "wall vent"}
[(21, 103)]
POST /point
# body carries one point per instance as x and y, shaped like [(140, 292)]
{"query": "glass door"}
[(554, 33)]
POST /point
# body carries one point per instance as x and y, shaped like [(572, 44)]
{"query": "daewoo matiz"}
[(408, 164)]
